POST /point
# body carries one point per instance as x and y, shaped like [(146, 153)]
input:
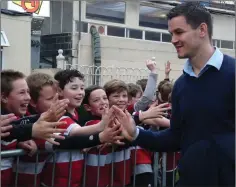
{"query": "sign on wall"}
[(38, 8)]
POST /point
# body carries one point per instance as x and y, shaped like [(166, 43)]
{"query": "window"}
[(216, 43), (4, 40), (4, 43), (1, 61), (106, 11), (227, 44), (115, 31), (136, 34), (155, 36), (223, 44), (166, 37), (84, 26), (153, 17)]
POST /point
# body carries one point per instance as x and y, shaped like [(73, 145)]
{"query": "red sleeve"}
[(40, 143), (70, 124), (130, 108)]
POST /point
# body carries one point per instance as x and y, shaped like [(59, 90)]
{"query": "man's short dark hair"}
[(65, 76), (195, 14)]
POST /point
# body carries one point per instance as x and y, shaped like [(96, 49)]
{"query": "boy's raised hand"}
[(167, 69), (151, 65), (111, 132), (127, 123), (107, 118), (57, 109), (155, 111)]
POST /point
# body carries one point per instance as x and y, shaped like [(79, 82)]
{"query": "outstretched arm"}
[(150, 89), (168, 140)]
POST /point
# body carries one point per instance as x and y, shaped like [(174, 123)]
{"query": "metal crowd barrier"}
[(157, 167), (99, 74)]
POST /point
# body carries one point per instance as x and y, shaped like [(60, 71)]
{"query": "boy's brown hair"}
[(165, 91), (161, 84), (7, 77), (133, 90), (115, 86), (142, 83), (36, 82), (88, 92)]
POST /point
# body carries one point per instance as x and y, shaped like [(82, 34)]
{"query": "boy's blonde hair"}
[(115, 85), (36, 82)]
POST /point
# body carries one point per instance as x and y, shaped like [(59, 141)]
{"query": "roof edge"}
[(14, 13)]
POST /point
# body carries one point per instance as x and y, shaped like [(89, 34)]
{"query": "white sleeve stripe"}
[(63, 117), (70, 128), (48, 146)]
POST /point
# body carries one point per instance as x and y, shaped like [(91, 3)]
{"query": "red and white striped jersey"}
[(98, 164), (141, 160), (62, 174), (28, 166), (122, 165), (7, 163)]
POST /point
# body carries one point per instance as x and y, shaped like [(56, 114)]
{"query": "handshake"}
[(119, 125)]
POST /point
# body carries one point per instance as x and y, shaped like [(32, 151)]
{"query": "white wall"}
[(18, 32), (132, 53), (223, 27)]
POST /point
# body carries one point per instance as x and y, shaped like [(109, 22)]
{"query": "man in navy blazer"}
[(203, 104)]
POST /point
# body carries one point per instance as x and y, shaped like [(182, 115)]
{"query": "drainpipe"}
[(96, 47)]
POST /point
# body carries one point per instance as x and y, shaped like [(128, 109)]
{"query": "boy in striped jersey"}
[(117, 93), (42, 91), (71, 87), (98, 166), (14, 99)]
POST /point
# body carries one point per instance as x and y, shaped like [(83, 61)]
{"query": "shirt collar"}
[(215, 61)]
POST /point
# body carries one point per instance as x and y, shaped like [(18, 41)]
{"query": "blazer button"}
[(91, 137)]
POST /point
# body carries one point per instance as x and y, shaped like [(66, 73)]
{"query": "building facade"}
[(16, 33), (127, 33), (130, 32)]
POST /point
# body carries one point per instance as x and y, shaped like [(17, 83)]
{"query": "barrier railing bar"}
[(35, 170), (70, 168)]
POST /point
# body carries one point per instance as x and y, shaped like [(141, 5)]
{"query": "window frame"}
[(98, 21), (4, 43)]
